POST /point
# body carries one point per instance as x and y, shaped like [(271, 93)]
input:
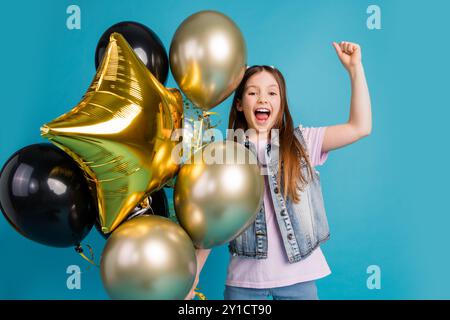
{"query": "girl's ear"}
[(239, 106)]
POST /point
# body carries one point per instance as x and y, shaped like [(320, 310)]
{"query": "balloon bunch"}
[(114, 152)]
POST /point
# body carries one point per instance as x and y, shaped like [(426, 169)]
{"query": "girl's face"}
[(260, 101)]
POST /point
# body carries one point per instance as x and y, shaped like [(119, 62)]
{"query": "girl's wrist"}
[(355, 70)]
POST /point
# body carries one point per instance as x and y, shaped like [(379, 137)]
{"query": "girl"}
[(279, 254)]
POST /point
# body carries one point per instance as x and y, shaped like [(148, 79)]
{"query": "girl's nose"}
[(262, 99)]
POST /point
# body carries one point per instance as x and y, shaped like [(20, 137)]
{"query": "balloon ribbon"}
[(199, 294), (80, 251)]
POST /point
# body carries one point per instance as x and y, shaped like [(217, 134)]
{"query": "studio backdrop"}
[(385, 196)]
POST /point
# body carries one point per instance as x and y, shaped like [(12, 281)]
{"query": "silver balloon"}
[(208, 58), (219, 193), (148, 257)]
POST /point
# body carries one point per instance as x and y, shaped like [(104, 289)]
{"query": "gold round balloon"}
[(148, 258), (120, 133), (208, 58), (218, 193)]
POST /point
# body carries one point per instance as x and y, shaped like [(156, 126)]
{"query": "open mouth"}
[(262, 114)]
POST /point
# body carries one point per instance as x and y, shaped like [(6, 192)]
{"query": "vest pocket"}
[(244, 243), (237, 244)]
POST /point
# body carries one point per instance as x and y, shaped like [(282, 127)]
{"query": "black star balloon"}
[(120, 133)]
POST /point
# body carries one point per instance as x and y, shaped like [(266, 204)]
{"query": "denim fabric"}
[(303, 225), (299, 291)]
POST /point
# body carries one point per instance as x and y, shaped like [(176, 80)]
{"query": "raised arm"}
[(359, 124)]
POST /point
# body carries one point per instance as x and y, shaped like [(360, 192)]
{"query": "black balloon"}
[(45, 197), (145, 43), (158, 204)]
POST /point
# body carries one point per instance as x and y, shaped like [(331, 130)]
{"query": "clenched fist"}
[(349, 53)]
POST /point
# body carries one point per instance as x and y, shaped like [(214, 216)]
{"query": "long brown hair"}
[(291, 150)]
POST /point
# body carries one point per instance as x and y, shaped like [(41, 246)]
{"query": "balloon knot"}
[(79, 249), (44, 130)]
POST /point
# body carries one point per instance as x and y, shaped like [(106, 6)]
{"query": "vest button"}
[(276, 190), (290, 236), (283, 212)]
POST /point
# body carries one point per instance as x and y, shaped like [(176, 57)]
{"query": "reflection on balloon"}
[(216, 200), (45, 197), (148, 257), (208, 58), (120, 133)]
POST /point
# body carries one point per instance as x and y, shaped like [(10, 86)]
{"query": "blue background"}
[(386, 195)]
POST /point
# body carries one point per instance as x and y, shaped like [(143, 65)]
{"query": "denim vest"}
[(303, 225)]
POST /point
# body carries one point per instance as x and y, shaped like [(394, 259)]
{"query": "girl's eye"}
[(273, 93), (251, 93)]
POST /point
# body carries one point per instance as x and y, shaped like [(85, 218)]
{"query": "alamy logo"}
[(183, 152), (374, 280), (374, 20), (74, 280), (74, 19)]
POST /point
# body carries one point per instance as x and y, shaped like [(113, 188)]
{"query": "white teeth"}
[(262, 110)]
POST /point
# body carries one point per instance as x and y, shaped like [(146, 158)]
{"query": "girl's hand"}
[(349, 53)]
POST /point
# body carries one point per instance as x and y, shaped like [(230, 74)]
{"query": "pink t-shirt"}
[(276, 271)]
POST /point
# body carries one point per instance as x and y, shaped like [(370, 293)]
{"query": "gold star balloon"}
[(120, 133)]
